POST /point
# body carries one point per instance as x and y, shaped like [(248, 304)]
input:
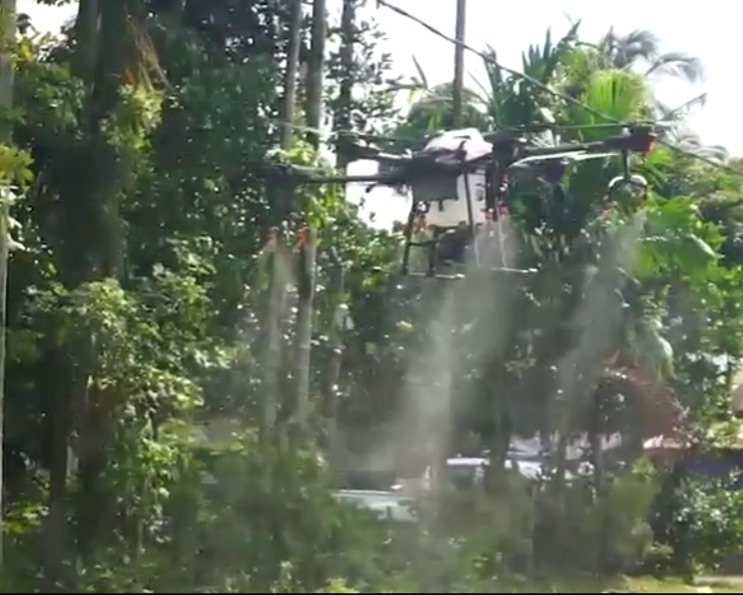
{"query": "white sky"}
[(709, 34)]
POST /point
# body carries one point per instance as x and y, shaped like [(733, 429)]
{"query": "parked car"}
[(464, 473), (392, 505), (461, 473)]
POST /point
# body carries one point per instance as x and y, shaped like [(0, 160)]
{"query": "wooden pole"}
[(458, 86), (308, 244), (315, 71), (290, 76)]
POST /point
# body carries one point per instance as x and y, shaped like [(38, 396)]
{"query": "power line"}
[(531, 80), (547, 89)]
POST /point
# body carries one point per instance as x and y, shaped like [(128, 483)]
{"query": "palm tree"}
[(433, 111), (512, 100), (641, 48), (637, 52), (689, 142), (507, 99)]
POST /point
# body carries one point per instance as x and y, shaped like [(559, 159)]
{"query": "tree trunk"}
[(281, 197), (60, 367), (597, 456), (308, 245), (332, 381), (8, 15), (342, 122), (87, 26), (304, 329), (109, 43)]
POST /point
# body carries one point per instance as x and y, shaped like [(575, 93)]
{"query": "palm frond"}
[(620, 94), (677, 64), (144, 58), (421, 73), (640, 43), (690, 142)]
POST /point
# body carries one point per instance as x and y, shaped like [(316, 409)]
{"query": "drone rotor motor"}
[(631, 188)]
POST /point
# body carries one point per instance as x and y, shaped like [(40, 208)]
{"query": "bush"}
[(707, 524), (524, 527), (269, 521)]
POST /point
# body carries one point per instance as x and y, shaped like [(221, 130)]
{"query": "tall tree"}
[(7, 42), (115, 60)]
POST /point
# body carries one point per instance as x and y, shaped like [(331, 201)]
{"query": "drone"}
[(460, 183)]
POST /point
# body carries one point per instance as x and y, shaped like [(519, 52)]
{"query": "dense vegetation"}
[(164, 430)]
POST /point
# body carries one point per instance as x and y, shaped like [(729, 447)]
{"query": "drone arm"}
[(358, 179), (310, 175), (373, 154), (638, 140)]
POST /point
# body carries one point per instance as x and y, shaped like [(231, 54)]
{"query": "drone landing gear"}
[(450, 257)]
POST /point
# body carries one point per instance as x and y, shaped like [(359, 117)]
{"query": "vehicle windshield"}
[(463, 477), (367, 480)]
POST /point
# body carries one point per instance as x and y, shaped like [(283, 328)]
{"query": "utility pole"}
[(458, 86), (7, 30), (290, 76), (345, 92), (315, 70)]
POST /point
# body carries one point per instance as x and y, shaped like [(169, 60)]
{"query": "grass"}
[(702, 585), (628, 585)]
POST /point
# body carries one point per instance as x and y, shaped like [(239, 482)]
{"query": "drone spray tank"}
[(455, 198)]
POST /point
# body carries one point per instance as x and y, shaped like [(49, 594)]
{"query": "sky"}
[(707, 31)]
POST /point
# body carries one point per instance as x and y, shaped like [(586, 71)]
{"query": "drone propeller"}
[(551, 168), (563, 157)]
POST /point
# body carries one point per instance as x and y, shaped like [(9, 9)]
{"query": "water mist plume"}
[(466, 321), (597, 319)]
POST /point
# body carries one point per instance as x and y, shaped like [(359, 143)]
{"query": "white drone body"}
[(450, 201)]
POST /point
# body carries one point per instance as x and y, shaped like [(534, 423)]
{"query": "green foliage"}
[(136, 317), (708, 523)]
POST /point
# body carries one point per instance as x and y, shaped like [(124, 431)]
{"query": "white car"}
[(469, 472), (465, 473), (462, 473), (387, 504)]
